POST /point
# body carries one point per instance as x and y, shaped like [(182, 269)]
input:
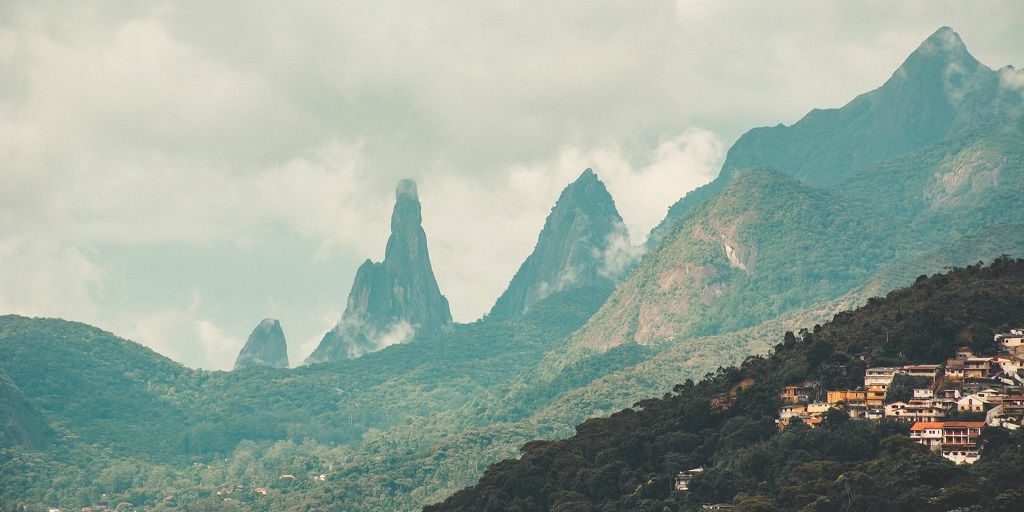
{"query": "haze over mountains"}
[(922, 173)]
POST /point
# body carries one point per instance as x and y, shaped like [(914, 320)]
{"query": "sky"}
[(176, 171)]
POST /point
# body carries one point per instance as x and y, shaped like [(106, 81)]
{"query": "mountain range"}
[(403, 408)]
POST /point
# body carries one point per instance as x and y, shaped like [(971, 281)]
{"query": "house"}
[(960, 440), (815, 409), (964, 353), (852, 402), (922, 370), (1012, 341), (955, 440), (971, 403), (977, 367), (880, 376), (955, 369), (992, 396), (852, 399), (794, 394), (682, 480), (948, 394), (924, 394), (928, 433), (925, 410), (896, 410), (788, 411), (875, 397), (1013, 405)]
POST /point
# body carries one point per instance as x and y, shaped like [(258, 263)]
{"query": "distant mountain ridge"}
[(583, 243), (939, 92), (395, 300)]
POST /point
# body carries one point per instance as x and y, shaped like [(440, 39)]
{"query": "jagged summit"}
[(266, 346), (583, 243), (938, 92), (395, 300)]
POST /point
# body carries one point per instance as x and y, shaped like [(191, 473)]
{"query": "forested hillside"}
[(725, 424), (115, 404)]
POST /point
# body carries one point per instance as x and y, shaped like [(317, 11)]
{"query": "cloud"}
[(184, 334), (619, 256), (231, 129), (47, 277)]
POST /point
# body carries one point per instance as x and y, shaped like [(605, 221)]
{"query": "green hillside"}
[(725, 424), (115, 404), (766, 245)]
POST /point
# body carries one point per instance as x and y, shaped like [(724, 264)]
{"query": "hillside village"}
[(949, 404)]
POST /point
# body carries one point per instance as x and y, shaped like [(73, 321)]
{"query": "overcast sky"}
[(175, 172)]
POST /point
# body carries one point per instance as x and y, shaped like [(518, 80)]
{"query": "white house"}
[(880, 376)]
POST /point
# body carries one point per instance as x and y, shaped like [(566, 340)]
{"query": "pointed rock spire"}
[(395, 300), (583, 243), (266, 346)]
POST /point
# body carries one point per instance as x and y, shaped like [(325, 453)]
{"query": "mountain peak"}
[(393, 301), (944, 40), (407, 214), (266, 346), (587, 175), (407, 189), (941, 59), (583, 243)]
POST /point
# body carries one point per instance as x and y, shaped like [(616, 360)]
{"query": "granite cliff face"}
[(583, 243), (266, 346), (395, 300)]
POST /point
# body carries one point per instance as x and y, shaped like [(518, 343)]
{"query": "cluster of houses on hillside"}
[(989, 390)]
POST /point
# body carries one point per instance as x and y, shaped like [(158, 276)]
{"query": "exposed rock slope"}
[(266, 346), (583, 243)]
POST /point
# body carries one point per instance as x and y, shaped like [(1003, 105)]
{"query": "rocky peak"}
[(940, 69), (583, 243), (266, 346), (395, 300)]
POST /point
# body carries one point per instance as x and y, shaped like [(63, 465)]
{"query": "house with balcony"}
[(955, 440), (794, 394), (960, 440)]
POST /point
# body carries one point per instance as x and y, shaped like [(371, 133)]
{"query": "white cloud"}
[(46, 277), (182, 333), (170, 127)]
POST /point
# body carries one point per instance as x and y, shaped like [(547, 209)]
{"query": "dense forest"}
[(726, 424)]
